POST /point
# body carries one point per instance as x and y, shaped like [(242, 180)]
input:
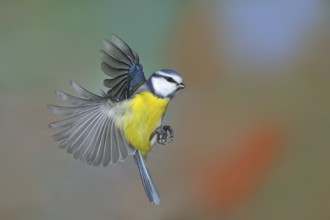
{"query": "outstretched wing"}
[(121, 63), (90, 132)]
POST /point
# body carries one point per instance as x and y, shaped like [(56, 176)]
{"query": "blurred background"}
[(252, 128)]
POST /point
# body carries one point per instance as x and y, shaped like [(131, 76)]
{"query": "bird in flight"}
[(127, 120)]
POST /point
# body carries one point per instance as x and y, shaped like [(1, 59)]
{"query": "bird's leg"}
[(162, 134)]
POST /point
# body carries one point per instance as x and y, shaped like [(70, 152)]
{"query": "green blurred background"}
[(252, 129)]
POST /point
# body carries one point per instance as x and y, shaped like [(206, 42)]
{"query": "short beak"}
[(182, 86)]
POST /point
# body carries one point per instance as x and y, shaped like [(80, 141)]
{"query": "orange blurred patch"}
[(223, 185)]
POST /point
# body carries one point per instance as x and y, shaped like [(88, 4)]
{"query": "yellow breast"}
[(143, 114)]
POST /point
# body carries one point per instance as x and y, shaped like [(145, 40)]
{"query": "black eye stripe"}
[(167, 78), (170, 79)]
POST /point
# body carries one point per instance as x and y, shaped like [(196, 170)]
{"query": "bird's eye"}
[(170, 79)]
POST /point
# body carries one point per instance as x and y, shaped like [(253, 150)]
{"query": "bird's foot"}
[(169, 130), (162, 134)]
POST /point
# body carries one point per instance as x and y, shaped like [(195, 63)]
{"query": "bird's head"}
[(166, 83)]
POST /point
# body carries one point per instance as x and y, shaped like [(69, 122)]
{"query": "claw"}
[(168, 129), (162, 134)]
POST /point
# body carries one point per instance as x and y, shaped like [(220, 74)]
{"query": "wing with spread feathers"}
[(91, 131), (121, 63)]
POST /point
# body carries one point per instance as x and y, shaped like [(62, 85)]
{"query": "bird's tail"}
[(148, 184)]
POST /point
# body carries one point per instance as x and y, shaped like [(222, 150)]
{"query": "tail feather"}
[(148, 184)]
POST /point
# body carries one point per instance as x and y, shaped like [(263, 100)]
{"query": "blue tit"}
[(127, 120)]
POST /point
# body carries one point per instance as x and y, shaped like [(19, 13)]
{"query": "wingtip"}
[(54, 109), (114, 37), (50, 107), (101, 54), (73, 84), (106, 44), (51, 125), (58, 93)]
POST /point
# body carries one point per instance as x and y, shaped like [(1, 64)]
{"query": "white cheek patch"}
[(162, 87)]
